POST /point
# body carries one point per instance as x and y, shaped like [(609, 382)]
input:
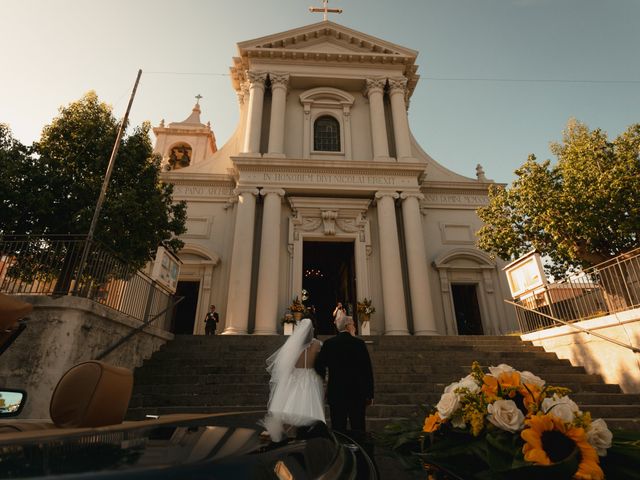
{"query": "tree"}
[(579, 212), (58, 182), (20, 184)]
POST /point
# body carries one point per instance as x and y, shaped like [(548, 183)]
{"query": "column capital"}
[(374, 85), (278, 191), (386, 193), (279, 80), (256, 79), (242, 190), (243, 91), (417, 195), (397, 85)]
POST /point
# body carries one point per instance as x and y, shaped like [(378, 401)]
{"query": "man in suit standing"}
[(211, 321), (350, 386)]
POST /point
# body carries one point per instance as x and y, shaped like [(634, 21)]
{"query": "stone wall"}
[(616, 364), (65, 331)]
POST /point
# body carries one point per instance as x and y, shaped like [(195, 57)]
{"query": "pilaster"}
[(395, 313), (269, 268), (279, 85), (254, 116), (240, 269), (375, 92), (424, 321), (397, 94)]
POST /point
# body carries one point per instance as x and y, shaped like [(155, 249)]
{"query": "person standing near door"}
[(338, 313), (211, 321)]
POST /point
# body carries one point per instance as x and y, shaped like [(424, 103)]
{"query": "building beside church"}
[(323, 188)]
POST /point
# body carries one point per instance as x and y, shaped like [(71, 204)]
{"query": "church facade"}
[(322, 192)]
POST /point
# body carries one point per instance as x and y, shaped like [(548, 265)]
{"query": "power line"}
[(446, 79), (525, 80)]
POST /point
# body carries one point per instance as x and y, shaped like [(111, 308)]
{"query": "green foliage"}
[(579, 212), (58, 180)]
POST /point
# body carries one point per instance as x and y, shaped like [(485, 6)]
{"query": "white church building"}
[(323, 188)]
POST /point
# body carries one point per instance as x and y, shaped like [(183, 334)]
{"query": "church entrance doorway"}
[(328, 277), (467, 309), (184, 315)]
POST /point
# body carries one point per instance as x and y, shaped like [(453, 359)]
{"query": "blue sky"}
[(500, 78)]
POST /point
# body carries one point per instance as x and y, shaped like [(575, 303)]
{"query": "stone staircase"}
[(227, 374)]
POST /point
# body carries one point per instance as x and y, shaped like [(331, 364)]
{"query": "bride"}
[(296, 390)]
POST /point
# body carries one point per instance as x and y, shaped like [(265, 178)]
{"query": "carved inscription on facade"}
[(454, 199), (201, 191), (332, 179)]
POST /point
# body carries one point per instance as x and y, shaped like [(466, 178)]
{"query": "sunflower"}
[(548, 440)]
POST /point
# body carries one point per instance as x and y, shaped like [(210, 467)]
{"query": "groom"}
[(350, 387)]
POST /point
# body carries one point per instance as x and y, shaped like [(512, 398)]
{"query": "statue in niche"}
[(180, 156)]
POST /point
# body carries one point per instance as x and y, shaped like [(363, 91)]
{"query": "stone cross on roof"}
[(198, 97), (325, 10)]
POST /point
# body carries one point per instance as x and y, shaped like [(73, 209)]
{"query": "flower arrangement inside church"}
[(511, 424), (297, 306), (365, 309)]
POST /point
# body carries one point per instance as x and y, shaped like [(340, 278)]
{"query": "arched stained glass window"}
[(326, 134)]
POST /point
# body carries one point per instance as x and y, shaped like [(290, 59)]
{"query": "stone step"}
[(379, 367), (227, 373)]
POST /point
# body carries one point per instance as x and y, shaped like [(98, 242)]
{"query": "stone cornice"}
[(325, 176), (327, 166), (326, 29), (213, 179), (454, 195), (203, 131)]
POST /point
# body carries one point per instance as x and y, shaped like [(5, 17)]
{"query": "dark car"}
[(225, 446)]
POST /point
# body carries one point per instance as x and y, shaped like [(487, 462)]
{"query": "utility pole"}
[(105, 184)]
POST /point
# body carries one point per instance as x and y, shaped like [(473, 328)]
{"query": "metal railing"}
[(39, 265), (527, 316), (609, 287)]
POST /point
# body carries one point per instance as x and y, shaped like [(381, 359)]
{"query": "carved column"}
[(424, 322), (254, 120), (375, 91), (269, 269), (397, 92), (240, 269), (395, 313), (279, 83)]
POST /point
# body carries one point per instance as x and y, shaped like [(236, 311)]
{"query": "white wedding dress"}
[(296, 394)]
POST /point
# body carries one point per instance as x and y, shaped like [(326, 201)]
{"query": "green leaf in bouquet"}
[(502, 448), (623, 458), (522, 470)]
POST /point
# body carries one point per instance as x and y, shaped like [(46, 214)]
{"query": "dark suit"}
[(350, 379)]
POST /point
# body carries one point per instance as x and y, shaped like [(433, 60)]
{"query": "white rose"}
[(466, 382), (470, 383), (451, 387), (503, 367), (562, 407), (505, 415), (448, 405), (531, 379), (599, 436)]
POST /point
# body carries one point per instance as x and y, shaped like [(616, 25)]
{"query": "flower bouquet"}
[(297, 308), (510, 424), (365, 310)]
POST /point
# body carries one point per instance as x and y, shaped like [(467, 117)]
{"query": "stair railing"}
[(527, 318), (137, 330)]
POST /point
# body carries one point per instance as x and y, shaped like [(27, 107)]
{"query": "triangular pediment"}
[(326, 37)]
